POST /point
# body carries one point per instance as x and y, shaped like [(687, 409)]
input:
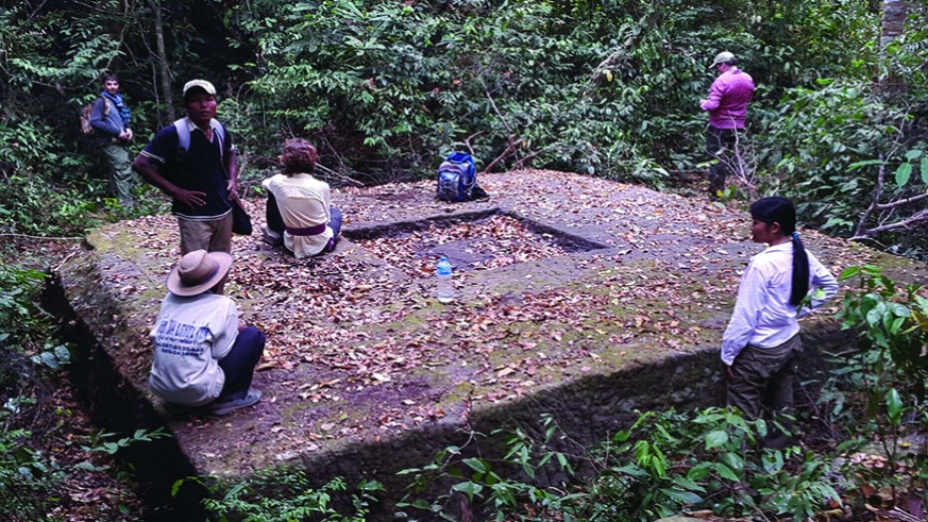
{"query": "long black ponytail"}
[(780, 210)]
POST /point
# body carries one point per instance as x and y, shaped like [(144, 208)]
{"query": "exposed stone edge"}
[(685, 381), (120, 407)]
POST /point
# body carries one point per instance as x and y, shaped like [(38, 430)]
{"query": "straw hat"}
[(197, 272)]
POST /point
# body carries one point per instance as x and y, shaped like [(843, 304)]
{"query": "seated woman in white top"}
[(298, 204)]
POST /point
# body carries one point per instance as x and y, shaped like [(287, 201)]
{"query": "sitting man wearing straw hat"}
[(203, 356)]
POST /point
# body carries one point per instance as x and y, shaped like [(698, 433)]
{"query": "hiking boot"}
[(226, 407), (270, 237)]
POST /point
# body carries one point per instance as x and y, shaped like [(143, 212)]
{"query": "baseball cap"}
[(722, 57), (201, 84)]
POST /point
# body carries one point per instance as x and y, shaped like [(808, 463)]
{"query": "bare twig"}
[(342, 178), (27, 236), (510, 149), (889, 218), (918, 218), (901, 202), (470, 148), (520, 164)]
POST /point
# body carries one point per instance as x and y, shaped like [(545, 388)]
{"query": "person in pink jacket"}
[(727, 106)]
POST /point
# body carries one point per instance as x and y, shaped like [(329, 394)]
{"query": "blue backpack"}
[(457, 177)]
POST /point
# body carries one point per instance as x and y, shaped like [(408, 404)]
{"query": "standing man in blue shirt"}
[(201, 179), (111, 119)]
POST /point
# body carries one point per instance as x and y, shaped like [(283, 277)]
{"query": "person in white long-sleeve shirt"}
[(761, 343)]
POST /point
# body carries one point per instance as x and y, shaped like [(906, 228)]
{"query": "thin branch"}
[(342, 178), (521, 163), (510, 149), (880, 180), (470, 148), (495, 108), (27, 236), (902, 202), (36, 10), (920, 217)]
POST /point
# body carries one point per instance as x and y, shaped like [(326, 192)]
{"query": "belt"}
[(308, 231)]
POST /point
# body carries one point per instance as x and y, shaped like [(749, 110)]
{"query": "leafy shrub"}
[(601, 88), (27, 476), (282, 495), (878, 391), (892, 320), (19, 317), (665, 463), (35, 205), (820, 134)]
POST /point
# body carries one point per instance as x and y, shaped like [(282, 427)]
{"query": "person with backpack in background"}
[(727, 106), (299, 208), (111, 120), (761, 344), (193, 160)]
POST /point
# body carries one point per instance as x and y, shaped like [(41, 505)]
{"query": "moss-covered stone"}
[(366, 374)]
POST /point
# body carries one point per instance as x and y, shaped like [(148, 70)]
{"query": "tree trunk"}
[(892, 27), (163, 59)]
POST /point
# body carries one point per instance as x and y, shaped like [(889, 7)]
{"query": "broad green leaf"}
[(726, 473), (477, 465), (62, 353), (924, 169), (699, 471), (471, 489), (894, 406), (899, 310), (903, 173), (848, 273), (865, 163), (49, 359), (773, 461), (684, 497), (716, 438), (688, 484), (733, 461), (913, 154)]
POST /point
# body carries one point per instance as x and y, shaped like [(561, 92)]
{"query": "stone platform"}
[(579, 297)]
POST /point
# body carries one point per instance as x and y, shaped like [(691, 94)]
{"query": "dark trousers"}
[(239, 365), (719, 144), (275, 221), (764, 379), (272, 213)]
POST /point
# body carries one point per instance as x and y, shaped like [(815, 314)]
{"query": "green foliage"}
[(19, 317), (35, 205), (109, 443), (665, 463), (891, 320), (878, 392), (27, 477), (283, 495), (822, 133), (391, 87)]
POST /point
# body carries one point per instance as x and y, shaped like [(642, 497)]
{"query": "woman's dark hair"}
[(299, 155), (107, 77), (780, 210)]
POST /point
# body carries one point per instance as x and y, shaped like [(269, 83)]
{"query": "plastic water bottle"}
[(445, 286)]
